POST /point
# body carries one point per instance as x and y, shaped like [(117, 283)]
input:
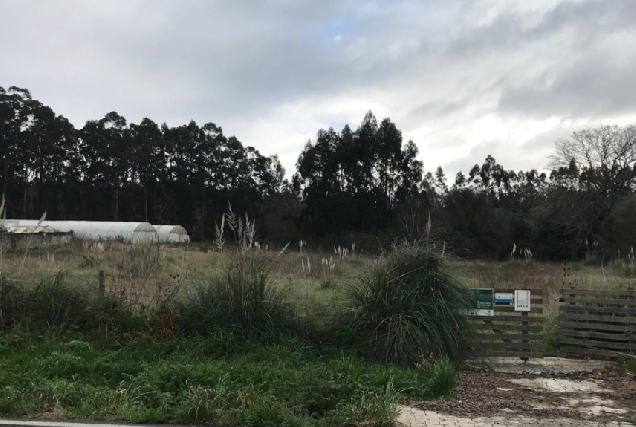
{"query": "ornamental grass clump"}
[(240, 298), (409, 307)]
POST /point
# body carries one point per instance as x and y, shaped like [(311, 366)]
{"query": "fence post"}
[(567, 275), (102, 283), (525, 331)]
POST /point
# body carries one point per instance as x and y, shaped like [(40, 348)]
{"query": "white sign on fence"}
[(522, 300)]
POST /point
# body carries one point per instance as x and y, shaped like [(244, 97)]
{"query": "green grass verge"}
[(215, 380), (551, 336)]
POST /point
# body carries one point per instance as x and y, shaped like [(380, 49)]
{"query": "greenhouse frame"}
[(131, 232), (171, 234)]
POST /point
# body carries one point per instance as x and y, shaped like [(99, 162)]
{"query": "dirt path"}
[(545, 392)]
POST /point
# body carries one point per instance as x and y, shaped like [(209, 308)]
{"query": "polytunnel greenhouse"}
[(132, 232), (171, 234)]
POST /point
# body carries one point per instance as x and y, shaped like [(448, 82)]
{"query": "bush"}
[(551, 336), (54, 304), (12, 300), (241, 299), (441, 377), (51, 304), (408, 307)]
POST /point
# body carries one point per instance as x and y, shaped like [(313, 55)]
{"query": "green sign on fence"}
[(483, 302)]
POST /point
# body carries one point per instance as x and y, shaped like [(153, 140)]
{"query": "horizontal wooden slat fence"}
[(510, 333), (598, 322)]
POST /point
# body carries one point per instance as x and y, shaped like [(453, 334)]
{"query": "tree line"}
[(364, 185)]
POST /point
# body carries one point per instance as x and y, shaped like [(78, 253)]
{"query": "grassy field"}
[(145, 275), (212, 380), (140, 356)]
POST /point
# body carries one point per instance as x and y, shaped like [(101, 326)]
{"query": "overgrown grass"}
[(213, 380), (551, 336), (442, 377), (55, 305), (248, 344), (240, 298), (410, 306), (88, 365)]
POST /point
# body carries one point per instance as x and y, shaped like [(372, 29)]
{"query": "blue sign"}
[(504, 298)]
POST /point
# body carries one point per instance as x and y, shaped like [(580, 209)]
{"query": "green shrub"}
[(408, 307), (12, 301), (441, 377), (50, 304), (241, 299), (54, 304), (551, 336)]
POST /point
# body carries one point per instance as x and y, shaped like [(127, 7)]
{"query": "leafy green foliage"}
[(409, 307), (192, 380)]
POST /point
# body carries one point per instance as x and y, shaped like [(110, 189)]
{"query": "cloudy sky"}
[(462, 78)]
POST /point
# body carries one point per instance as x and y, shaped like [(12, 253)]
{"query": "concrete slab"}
[(544, 366), (413, 417), (561, 385)]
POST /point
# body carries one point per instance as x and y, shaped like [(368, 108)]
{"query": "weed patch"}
[(551, 336), (176, 380)]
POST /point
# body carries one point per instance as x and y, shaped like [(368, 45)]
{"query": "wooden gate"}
[(598, 322), (510, 333)]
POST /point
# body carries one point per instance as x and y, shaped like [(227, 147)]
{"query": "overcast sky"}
[(462, 78)]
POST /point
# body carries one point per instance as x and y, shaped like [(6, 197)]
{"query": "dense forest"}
[(365, 185)]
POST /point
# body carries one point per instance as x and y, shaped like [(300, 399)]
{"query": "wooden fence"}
[(598, 322), (510, 333)]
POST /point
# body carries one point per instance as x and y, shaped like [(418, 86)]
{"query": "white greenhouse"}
[(133, 232), (171, 234)]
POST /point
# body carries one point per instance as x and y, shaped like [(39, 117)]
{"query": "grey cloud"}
[(545, 140), (236, 62), (438, 107), (510, 30), (596, 85), (511, 157), (229, 57)]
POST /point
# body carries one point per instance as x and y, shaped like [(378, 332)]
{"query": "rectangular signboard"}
[(483, 302), (504, 298), (522, 300)]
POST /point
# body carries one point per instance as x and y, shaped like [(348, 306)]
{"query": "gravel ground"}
[(600, 396)]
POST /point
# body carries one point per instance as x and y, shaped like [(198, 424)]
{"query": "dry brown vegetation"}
[(150, 274)]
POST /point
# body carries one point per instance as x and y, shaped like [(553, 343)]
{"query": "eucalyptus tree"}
[(148, 160), (107, 155)]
